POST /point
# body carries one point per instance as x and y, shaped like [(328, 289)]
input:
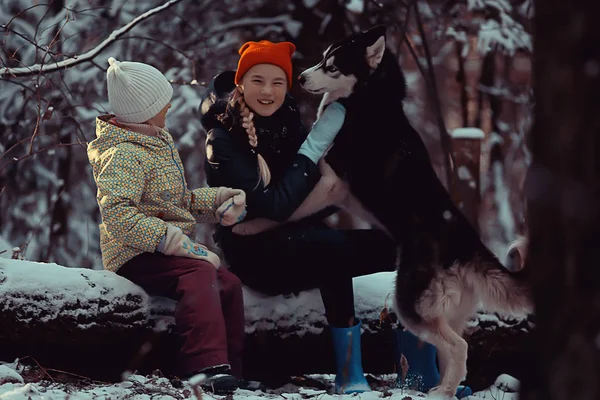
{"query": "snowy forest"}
[(499, 90)]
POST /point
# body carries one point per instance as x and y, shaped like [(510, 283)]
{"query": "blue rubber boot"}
[(423, 373), (349, 376)]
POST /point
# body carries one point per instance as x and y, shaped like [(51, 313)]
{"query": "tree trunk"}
[(562, 189)]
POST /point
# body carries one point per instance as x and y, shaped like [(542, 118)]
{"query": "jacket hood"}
[(109, 135), (214, 101)]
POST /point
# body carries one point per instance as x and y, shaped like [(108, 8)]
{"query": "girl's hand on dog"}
[(338, 190)]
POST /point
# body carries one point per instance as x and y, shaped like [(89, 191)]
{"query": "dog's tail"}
[(499, 290)]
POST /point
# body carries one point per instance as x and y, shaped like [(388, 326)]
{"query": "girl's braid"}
[(238, 98)]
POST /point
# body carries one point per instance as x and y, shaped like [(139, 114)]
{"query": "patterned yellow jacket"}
[(141, 185)]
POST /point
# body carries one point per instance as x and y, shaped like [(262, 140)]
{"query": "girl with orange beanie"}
[(256, 142)]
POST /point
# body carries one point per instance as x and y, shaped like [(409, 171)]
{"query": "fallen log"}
[(98, 324)]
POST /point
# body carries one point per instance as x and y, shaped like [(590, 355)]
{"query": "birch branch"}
[(87, 56)]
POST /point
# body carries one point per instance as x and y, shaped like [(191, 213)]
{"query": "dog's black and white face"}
[(346, 63)]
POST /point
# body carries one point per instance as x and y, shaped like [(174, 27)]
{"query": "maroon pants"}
[(209, 316)]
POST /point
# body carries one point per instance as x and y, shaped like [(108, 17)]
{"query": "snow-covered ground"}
[(136, 387)]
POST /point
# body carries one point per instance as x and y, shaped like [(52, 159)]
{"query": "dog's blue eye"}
[(331, 68)]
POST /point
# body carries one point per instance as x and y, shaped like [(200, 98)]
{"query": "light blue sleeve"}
[(323, 132)]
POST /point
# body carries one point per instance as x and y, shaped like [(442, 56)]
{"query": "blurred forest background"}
[(467, 63)]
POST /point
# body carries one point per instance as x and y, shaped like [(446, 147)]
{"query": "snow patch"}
[(9, 375), (356, 6), (80, 293)]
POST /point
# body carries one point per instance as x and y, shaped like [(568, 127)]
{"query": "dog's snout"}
[(514, 261), (301, 79)]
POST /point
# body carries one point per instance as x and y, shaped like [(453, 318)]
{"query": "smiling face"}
[(264, 87)]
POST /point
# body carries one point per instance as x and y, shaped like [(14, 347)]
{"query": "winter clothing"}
[(175, 243), (323, 132), (233, 211), (423, 373), (349, 377), (136, 92), (265, 52), (209, 315), (140, 186), (228, 153), (307, 255), (219, 380), (294, 256)]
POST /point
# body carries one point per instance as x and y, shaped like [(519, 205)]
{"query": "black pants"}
[(289, 260)]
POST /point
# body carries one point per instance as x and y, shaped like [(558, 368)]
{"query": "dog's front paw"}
[(441, 393)]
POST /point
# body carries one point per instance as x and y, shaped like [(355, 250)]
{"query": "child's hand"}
[(177, 244), (232, 206)]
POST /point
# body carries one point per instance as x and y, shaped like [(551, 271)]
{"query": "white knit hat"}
[(136, 91)]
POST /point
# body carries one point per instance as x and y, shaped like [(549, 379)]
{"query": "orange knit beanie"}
[(265, 52)]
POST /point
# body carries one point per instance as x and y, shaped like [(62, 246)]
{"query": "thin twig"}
[(54, 146), (150, 39), (17, 15), (75, 375), (40, 366)]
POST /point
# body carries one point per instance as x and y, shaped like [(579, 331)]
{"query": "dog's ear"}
[(375, 45)]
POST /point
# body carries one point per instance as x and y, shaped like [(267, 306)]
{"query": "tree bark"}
[(562, 188)]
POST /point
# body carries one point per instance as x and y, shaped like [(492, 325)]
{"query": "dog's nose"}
[(301, 79), (514, 261)]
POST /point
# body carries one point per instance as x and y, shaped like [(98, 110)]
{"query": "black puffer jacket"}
[(232, 162)]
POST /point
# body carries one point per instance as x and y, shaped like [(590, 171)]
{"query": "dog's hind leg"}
[(452, 350)]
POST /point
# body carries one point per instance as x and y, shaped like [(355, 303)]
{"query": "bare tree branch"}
[(87, 56)]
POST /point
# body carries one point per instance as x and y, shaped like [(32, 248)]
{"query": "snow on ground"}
[(137, 387)]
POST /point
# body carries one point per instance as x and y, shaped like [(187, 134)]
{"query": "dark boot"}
[(218, 380), (423, 373)]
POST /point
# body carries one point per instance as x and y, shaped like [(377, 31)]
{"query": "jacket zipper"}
[(178, 167)]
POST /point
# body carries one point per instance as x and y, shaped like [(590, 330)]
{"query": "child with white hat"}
[(149, 218)]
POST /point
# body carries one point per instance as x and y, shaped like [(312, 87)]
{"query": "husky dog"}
[(445, 273)]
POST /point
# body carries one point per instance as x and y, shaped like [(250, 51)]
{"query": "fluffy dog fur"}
[(445, 273)]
